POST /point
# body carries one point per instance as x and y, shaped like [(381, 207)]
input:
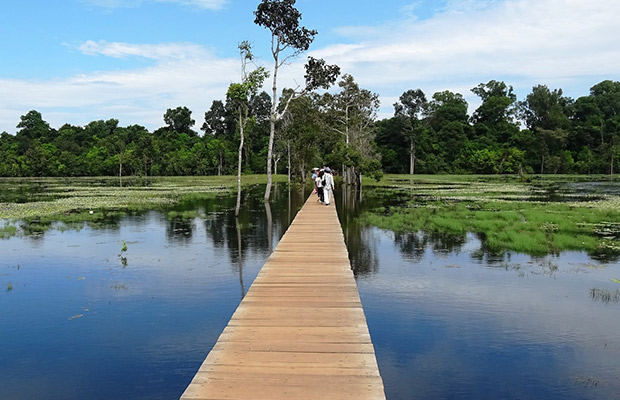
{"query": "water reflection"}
[(451, 319), (605, 296), (179, 230), (363, 256), (240, 257), (76, 323)]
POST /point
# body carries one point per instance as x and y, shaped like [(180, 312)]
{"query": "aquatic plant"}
[(8, 231), (121, 255), (506, 213), (183, 215), (9, 287), (76, 200)]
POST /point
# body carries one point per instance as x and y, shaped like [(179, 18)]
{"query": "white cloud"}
[(524, 42), (166, 51), (183, 75), (205, 4)]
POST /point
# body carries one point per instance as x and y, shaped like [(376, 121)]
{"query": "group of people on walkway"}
[(323, 184)]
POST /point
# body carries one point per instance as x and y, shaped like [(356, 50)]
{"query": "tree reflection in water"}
[(255, 230), (361, 253)]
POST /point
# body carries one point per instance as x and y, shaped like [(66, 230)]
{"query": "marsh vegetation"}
[(29, 206), (538, 216)]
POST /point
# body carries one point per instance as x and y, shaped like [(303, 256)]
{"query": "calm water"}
[(448, 320), (78, 324), (451, 321)]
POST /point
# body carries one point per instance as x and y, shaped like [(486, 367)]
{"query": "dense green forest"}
[(544, 133)]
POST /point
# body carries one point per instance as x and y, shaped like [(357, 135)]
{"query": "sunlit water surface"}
[(448, 320)]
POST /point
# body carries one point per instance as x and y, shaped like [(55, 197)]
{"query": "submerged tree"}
[(288, 40), (239, 95)]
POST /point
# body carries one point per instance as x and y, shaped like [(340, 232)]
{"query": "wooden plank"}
[(300, 332), (297, 347)]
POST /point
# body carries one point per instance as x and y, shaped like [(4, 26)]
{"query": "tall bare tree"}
[(288, 40), (239, 94)]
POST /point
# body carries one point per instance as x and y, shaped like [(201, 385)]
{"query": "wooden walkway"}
[(300, 332)]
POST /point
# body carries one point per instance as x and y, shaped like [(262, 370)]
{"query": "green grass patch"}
[(502, 210), (8, 231)]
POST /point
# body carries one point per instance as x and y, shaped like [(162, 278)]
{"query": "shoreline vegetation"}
[(535, 215), (538, 215), (32, 205)]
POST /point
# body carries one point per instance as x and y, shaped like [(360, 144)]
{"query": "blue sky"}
[(76, 61)]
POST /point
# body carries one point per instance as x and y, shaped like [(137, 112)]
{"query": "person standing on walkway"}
[(328, 185), (315, 173), (319, 185)]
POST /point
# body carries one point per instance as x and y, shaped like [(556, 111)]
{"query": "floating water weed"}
[(531, 227), (9, 287), (185, 215), (121, 255), (8, 231), (85, 195)]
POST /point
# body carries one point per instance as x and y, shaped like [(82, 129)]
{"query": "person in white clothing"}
[(328, 186)]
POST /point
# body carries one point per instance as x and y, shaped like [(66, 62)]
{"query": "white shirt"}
[(329, 182)]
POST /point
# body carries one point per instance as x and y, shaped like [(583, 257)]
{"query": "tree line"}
[(296, 129), (544, 133)]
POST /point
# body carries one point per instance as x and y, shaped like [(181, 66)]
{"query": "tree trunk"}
[(239, 165), (120, 170), (269, 226), (240, 258), (302, 171), (272, 128), (411, 158), (272, 123), (288, 161)]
